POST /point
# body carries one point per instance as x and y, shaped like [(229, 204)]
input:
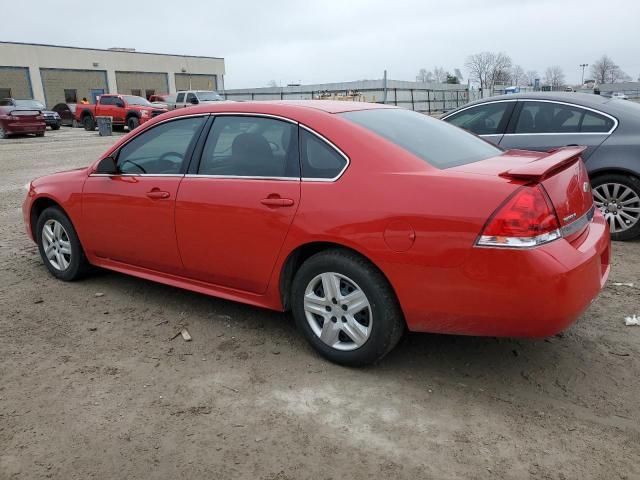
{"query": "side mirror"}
[(194, 101), (120, 104), (107, 166)]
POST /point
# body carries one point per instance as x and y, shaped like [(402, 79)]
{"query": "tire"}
[(55, 127), (40, 134), (89, 123), (380, 324), (618, 197), (133, 123), (67, 267)]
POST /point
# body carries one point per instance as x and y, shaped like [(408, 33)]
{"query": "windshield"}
[(29, 104), (208, 96), (133, 100), (434, 141)]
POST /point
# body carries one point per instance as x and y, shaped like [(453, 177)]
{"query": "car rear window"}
[(434, 141)]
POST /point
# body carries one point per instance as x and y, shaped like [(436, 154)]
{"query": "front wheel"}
[(55, 127), (132, 123), (618, 198), (88, 123), (346, 308), (59, 245)]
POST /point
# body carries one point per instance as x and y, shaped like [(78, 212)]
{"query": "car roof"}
[(585, 99), (328, 106)]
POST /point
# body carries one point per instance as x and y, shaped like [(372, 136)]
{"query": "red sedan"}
[(361, 219), (17, 120)]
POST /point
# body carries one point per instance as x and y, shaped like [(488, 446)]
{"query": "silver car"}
[(609, 128)]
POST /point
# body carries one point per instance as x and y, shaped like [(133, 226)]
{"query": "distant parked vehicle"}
[(163, 100), (19, 120), (542, 121), (67, 112), (188, 98), (619, 96), (125, 110), (51, 118)]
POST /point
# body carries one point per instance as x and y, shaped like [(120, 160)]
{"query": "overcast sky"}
[(330, 40)]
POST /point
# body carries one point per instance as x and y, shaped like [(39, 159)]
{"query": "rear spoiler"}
[(24, 111), (546, 165)]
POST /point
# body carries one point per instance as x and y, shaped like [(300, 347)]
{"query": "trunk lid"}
[(561, 172)]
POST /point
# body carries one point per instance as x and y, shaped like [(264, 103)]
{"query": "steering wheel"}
[(169, 154), (134, 164)]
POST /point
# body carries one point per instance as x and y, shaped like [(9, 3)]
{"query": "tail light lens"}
[(526, 219)]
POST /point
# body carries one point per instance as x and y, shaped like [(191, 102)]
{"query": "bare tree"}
[(517, 75), (554, 76), (424, 75), (488, 69), (605, 70), (439, 75), (531, 76)]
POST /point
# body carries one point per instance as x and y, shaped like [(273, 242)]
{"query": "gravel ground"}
[(93, 387)]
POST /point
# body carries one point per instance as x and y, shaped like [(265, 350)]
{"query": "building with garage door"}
[(54, 74)]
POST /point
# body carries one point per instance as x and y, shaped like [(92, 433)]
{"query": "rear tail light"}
[(526, 219), (39, 117)]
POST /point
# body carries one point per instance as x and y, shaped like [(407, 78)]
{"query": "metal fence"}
[(429, 101)]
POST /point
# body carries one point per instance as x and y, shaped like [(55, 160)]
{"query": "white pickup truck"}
[(187, 98)]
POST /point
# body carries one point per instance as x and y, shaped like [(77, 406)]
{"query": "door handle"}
[(158, 194), (277, 202)]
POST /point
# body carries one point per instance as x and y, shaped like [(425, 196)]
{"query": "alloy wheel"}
[(56, 245), (619, 204), (338, 311)]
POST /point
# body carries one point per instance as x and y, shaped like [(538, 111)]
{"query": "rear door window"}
[(486, 119), (246, 146), (180, 98), (552, 117)]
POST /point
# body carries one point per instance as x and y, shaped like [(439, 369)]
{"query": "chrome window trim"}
[(240, 177), (599, 112), (332, 145), (136, 175), (249, 114)]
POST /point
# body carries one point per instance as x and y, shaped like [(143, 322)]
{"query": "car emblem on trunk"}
[(569, 217), (586, 187)]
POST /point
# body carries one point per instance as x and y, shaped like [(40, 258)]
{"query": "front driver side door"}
[(129, 216)]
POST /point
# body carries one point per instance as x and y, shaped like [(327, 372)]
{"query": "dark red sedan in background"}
[(364, 220), (17, 120)]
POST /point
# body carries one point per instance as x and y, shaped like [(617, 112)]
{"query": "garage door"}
[(143, 84), (15, 82), (65, 85), (186, 81)]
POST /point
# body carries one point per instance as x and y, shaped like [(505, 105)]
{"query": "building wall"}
[(128, 81), (17, 80), (37, 57), (186, 81), (56, 80)]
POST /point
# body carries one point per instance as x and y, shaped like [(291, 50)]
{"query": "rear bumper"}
[(534, 292), (24, 127), (53, 122)]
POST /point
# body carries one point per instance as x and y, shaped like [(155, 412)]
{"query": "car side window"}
[(161, 149), (486, 119), (318, 158), (596, 123), (245, 146), (180, 98), (551, 117), (106, 100), (190, 97)]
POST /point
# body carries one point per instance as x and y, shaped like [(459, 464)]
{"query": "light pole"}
[(583, 65)]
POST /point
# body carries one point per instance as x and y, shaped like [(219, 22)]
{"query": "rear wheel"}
[(55, 127), (132, 123), (88, 123), (618, 198), (346, 308), (59, 245)]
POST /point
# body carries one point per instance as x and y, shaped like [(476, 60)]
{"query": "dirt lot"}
[(91, 386)]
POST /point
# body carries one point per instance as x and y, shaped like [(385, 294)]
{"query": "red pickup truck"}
[(125, 110)]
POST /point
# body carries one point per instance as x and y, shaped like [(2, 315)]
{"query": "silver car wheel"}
[(338, 311), (56, 245), (619, 204)]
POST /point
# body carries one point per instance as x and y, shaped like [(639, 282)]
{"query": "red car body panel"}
[(401, 215), (14, 120)]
